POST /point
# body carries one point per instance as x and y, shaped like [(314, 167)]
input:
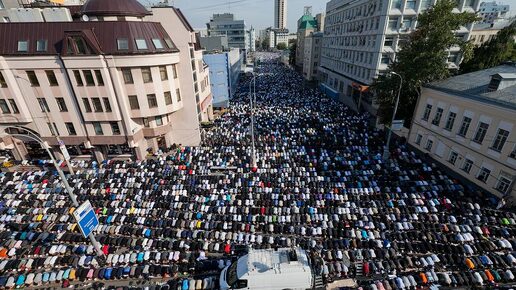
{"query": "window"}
[(98, 128), (153, 103), (163, 73), (97, 105), (453, 157), (115, 128), (3, 106), (396, 4), (169, 43), (87, 105), (385, 59), (157, 43), (78, 78), (437, 117), (107, 105), (61, 104), (88, 76), (450, 121), (147, 75), (483, 175), (23, 45), (53, 129), (481, 133), (393, 24), (178, 95), (100, 79), (429, 144), (41, 45), (122, 44), (141, 44), (428, 110), (174, 71), (43, 105), (159, 121), (3, 83), (71, 129), (128, 76), (146, 122), (504, 182), (513, 153), (419, 137), (51, 76), (33, 78), (168, 98), (389, 41), (14, 106), (133, 102), (411, 4), (468, 164), (501, 138), (464, 127)]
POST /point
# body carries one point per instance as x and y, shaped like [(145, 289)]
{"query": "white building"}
[(252, 39), (361, 39), (490, 11), (280, 14), (467, 123), (312, 55)]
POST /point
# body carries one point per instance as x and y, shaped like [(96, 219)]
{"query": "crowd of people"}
[(320, 183)]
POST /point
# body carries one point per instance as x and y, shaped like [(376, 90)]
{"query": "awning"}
[(359, 87)]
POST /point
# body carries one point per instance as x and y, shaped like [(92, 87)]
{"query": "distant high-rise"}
[(280, 14)]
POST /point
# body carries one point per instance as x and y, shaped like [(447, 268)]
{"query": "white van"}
[(270, 269)]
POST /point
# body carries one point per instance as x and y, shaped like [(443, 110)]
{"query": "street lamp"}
[(386, 151), (252, 118), (34, 137)]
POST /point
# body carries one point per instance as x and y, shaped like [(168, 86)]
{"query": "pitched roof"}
[(100, 35), (114, 8), (475, 86)]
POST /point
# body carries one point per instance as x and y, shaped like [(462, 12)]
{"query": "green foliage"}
[(265, 43), (493, 52), (281, 46), (422, 59)]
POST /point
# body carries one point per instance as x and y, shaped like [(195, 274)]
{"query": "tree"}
[(281, 46), (422, 59), (265, 43), (493, 52)]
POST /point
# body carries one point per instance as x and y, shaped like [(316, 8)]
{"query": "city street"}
[(319, 183)]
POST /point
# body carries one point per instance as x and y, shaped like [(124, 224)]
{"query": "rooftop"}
[(114, 8), (475, 86)]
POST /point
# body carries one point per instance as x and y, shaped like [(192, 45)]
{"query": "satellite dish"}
[(85, 18)]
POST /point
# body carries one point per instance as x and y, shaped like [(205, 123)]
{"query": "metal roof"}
[(101, 36), (114, 8), (475, 86)]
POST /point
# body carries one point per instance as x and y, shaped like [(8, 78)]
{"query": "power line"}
[(218, 5)]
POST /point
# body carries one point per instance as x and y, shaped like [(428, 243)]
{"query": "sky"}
[(256, 13)]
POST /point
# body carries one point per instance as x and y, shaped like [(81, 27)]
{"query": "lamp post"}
[(252, 119), (73, 197), (386, 151)]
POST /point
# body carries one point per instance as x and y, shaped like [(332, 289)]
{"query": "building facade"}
[(225, 70), (112, 85), (491, 11), (252, 40), (225, 24), (312, 56), (484, 32), (280, 14), (361, 39), (467, 123), (306, 25)]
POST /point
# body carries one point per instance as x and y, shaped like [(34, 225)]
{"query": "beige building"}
[(484, 32), (280, 14), (108, 83), (312, 55), (306, 25), (467, 123)]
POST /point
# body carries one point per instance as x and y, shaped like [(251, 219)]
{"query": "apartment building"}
[(467, 123), (484, 32), (108, 83), (492, 11), (305, 25), (312, 56), (280, 14), (225, 24), (361, 39)]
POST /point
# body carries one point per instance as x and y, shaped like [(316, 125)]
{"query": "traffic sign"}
[(86, 218), (65, 153)]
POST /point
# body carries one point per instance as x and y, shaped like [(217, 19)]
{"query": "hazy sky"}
[(258, 13)]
